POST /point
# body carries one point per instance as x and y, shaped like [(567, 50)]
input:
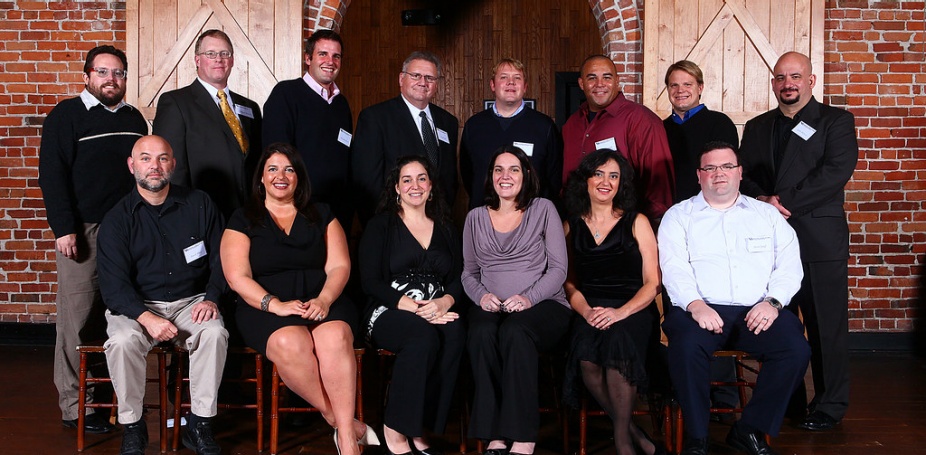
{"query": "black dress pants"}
[(504, 349), (782, 349), (427, 363)]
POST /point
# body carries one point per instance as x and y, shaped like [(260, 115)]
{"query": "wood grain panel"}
[(547, 35)]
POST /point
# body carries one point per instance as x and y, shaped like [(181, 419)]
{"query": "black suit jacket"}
[(208, 156), (387, 131), (812, 178)]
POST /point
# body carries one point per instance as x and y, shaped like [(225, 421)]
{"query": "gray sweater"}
[(530, 260)]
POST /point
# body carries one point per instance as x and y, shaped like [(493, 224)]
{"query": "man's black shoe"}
[(198, 436), (818, 421), (695, 447), (752, 442), (95, 423), (134, 438)]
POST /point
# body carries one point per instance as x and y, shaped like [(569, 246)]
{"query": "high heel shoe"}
[(657, 448), (368, 438)]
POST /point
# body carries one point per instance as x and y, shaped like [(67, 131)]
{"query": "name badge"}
[(526, 146), (606, 144), (442, 136), (804, 130), (758, 244), (244, 110), (344, 137), (194, 251)]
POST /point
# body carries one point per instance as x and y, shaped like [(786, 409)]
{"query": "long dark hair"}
[(575, 194), (435, 208), (254, 209), (530, 184)]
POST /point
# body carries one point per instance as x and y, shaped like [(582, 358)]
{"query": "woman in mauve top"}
[(514, 266)]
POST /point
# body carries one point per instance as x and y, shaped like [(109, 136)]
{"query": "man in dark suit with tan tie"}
[(214, 132), (401, 126), (799, 157)]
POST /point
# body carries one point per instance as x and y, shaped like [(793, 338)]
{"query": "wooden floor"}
[(887, 416)]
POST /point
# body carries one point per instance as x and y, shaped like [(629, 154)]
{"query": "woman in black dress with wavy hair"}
[(612, 282), (410, 263)]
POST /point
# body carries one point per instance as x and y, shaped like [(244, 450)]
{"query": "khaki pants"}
[(79, 317), (129, 343)]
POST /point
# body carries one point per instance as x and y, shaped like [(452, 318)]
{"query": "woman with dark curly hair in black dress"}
[(612, 282)]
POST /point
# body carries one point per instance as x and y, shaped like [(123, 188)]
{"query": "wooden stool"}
[(82, 405), (257, 381), (277, 387), (741, 382), (659, 413)]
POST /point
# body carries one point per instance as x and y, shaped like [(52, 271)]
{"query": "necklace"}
[(597, 234)]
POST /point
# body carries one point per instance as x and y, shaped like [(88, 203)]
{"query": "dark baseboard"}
[(26, 334)]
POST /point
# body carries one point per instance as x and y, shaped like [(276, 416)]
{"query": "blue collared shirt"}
[(691, 112)]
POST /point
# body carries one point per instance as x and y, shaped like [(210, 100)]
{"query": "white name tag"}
[(442, 136), (759, 244), (804, 130), (608, 144), (244, 110), (526, 146), (344, 137), (194, 251)]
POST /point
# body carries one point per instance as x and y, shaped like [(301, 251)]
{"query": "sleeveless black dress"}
[(608, 275)]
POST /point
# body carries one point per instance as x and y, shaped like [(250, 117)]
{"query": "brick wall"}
[(875, 63)]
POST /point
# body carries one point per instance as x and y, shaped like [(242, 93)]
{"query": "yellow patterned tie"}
[(233, 122)]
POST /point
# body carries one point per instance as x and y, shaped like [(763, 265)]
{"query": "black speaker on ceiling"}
[(412, 17)]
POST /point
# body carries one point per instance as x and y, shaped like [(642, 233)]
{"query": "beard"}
[(783, 100), (108, 99), (154, 185)]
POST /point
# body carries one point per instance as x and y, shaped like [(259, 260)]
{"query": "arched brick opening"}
[(619, 23)]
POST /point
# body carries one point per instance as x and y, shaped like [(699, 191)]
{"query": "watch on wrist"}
[(265, 302), (773, 302)]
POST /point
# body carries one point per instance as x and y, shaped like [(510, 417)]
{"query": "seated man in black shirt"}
[(160, 278)]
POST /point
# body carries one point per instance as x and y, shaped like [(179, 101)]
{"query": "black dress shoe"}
[(695, 447), (496, 452), (198, 437), (95, 423), (134, 438), (427, 451), (818, 421), (751, 442)]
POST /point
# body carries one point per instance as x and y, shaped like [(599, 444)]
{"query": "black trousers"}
[(824, 302), (782, 349), (427, 363), (504, 349)]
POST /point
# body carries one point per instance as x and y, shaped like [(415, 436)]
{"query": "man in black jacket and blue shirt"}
[(160, 277), (85, 142)]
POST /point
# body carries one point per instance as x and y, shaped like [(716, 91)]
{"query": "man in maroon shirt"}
[(607, 120)]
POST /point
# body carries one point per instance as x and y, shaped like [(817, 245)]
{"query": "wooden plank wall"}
[(266, 35), (547, 35), (735, 42)]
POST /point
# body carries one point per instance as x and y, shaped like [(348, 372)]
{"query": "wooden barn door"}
[(735, 42), (160, 34)]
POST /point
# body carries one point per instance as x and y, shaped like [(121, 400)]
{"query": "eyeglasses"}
[(212, 55), (104, 72), (724, 167), (417, 77)]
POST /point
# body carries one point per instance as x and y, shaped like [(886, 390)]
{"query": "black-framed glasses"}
[(104, 72), (417, 77), (726, 167), (212, 55)]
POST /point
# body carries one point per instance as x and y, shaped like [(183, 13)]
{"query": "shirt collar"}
[(322, 91), (516, 112), (414, 110), (173, 193), (698, 203), (214, 93), (691, 112), (91, 101)]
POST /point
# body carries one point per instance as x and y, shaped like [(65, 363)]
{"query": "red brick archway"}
[(619, 23)]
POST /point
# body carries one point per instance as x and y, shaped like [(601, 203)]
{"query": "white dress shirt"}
[(736, 256)]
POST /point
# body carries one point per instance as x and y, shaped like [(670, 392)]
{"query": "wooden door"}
[(160, 35), (735, 42)]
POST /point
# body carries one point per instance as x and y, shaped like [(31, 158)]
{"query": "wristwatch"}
[(773, 302)]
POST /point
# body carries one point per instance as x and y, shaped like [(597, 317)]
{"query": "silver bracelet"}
[(265, 302)]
